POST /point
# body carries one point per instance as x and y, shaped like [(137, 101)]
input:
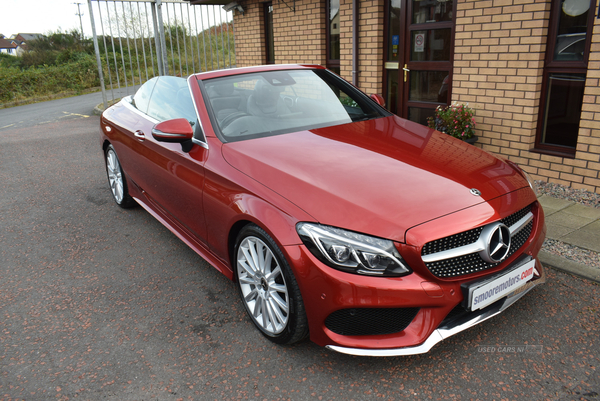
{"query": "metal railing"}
[(135, 40)]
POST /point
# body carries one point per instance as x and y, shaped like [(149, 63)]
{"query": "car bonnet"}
[(379, 177)]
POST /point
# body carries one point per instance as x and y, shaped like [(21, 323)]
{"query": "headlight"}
[(352, 252)]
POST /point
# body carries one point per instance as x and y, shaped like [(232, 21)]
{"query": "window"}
[(333, 35), (142, 96), (171, 99), (565, 70), (269, 41), (280, 102)]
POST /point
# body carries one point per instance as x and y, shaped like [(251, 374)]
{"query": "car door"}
[(172, 179)]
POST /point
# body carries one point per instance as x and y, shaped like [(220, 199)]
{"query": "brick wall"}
[(371, 23), (249, 35), (300, 37), (370, 44), (499, 59)]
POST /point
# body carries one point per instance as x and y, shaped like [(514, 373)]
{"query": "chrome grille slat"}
[(463, 258)]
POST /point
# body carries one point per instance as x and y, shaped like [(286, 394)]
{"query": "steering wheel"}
[(232, 117)]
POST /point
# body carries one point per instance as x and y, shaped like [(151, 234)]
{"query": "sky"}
[(45, 16), (42, 16)]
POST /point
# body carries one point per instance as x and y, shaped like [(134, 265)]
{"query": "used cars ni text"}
[(369, 233)]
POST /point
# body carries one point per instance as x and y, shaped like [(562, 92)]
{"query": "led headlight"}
[(352, 252)]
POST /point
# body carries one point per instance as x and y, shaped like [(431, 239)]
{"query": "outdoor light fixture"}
[(233, 6)]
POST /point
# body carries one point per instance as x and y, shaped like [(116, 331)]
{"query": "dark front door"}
[(420, 37)]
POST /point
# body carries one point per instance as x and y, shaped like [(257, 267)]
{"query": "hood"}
[(378, 177)]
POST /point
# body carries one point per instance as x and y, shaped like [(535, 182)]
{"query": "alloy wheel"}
[(263, 285), (115, 177)]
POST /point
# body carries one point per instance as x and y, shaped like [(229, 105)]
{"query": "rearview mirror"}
[(378, 99), (174, 131)]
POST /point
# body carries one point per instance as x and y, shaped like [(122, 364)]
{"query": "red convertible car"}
[(337, 220)]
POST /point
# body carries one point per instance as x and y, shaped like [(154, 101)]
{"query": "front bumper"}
[(451, 327), (326, 291)]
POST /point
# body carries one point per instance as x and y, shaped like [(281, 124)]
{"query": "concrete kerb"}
[(99, 109), (568, 266)]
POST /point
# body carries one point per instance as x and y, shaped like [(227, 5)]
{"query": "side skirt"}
[(183, 235)]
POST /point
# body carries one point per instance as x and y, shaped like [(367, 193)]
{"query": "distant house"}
[(7, 46), (21, 39)]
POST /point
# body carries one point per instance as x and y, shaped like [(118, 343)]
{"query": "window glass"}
[(394, 30), (563, 109), (334, 30), (428, 86), (431, 11), (142, 96), (431, 45), (572, 30), (171, 99), (564, 76), (277, 102)]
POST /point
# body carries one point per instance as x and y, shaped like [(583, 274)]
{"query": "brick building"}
[(530, 68)]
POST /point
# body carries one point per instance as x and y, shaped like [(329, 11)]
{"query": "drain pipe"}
[(355, 43)]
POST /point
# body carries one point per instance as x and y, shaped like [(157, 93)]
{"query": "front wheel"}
[(116, 179), (268, 288)]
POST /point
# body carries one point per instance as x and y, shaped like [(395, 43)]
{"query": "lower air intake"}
[(370, 321)]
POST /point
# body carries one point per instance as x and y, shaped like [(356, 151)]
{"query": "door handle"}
[(406, 70), (139, 135)]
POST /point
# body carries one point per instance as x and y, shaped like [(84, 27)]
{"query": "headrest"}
[(224, 89)]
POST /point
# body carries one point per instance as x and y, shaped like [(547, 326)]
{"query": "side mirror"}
[(174, 131), (378, 99)]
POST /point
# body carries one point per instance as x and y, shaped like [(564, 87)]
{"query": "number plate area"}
[(482, 294)]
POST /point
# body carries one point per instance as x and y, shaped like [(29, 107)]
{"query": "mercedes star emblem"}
[(497, 240)]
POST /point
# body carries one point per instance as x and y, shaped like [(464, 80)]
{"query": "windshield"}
[(277, 102)]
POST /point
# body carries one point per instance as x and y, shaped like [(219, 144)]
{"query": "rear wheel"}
[(116, 179), (268, 288)]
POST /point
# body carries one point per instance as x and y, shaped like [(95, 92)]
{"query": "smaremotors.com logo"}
[(509, 349)]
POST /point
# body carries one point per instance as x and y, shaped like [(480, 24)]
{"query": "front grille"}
[(453, 241), (370, 321), (472, 263)]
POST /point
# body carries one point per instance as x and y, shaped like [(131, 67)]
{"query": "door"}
[(418, 67), (172, 180)]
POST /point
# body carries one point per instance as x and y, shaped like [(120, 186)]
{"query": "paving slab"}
[(583, 211), (552, 205), (587, 237), (555, 231), (568, 220)]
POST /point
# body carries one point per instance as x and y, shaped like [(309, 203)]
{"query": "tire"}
[(116, 179), (268, 288)]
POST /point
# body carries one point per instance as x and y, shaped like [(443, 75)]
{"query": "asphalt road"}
[(97, 302)]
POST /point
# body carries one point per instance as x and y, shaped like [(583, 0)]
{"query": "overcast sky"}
[(42, 16)]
